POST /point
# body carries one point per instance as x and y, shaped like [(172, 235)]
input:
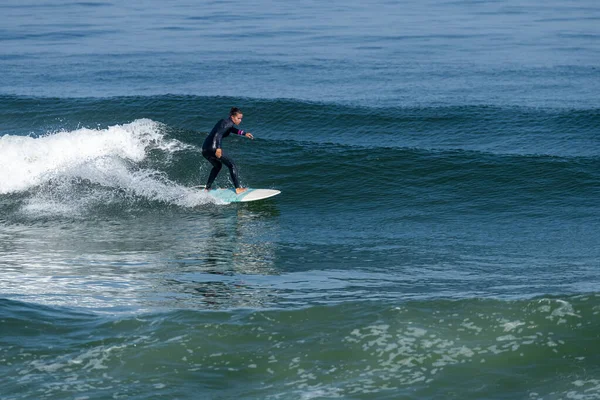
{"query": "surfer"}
[(212, 151)]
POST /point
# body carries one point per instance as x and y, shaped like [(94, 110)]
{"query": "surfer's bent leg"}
[(215, 170), (232, 169)]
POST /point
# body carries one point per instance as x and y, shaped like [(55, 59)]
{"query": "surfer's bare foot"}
[(240, 190)]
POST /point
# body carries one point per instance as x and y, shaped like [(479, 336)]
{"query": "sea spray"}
[(68, 172)]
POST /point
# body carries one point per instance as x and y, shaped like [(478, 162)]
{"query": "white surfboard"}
[(230, 196)]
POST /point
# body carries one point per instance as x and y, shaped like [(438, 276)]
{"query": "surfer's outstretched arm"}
[(241, 132)]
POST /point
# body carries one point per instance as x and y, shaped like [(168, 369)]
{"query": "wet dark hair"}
[(234, 111)]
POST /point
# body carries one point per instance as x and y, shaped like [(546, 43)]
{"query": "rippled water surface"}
[(436, 235)]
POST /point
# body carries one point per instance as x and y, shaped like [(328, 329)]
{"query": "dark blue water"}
[(437, 234), (409, 53)]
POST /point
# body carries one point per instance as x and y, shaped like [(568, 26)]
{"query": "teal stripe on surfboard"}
[(229, 195)]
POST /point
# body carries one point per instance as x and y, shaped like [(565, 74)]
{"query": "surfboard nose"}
[(229, 195), (258, 194)]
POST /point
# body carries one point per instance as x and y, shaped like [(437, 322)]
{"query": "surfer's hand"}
[(249, 135), (218, 153)]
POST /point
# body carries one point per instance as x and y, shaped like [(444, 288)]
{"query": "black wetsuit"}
[(213, 142)]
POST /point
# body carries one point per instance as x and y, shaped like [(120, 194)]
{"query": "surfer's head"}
[(236, 115)]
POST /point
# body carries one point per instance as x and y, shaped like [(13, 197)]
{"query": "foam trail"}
[(26, 162), (51, 167)]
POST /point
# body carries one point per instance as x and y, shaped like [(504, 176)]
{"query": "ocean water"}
[(437, 235)]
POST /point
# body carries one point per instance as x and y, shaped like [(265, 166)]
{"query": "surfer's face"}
[(237, 118)]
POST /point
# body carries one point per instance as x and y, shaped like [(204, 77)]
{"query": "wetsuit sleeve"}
[(237, 131)]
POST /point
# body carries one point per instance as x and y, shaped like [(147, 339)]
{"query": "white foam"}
[(107, 157), (26, 161), (512, 325)]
